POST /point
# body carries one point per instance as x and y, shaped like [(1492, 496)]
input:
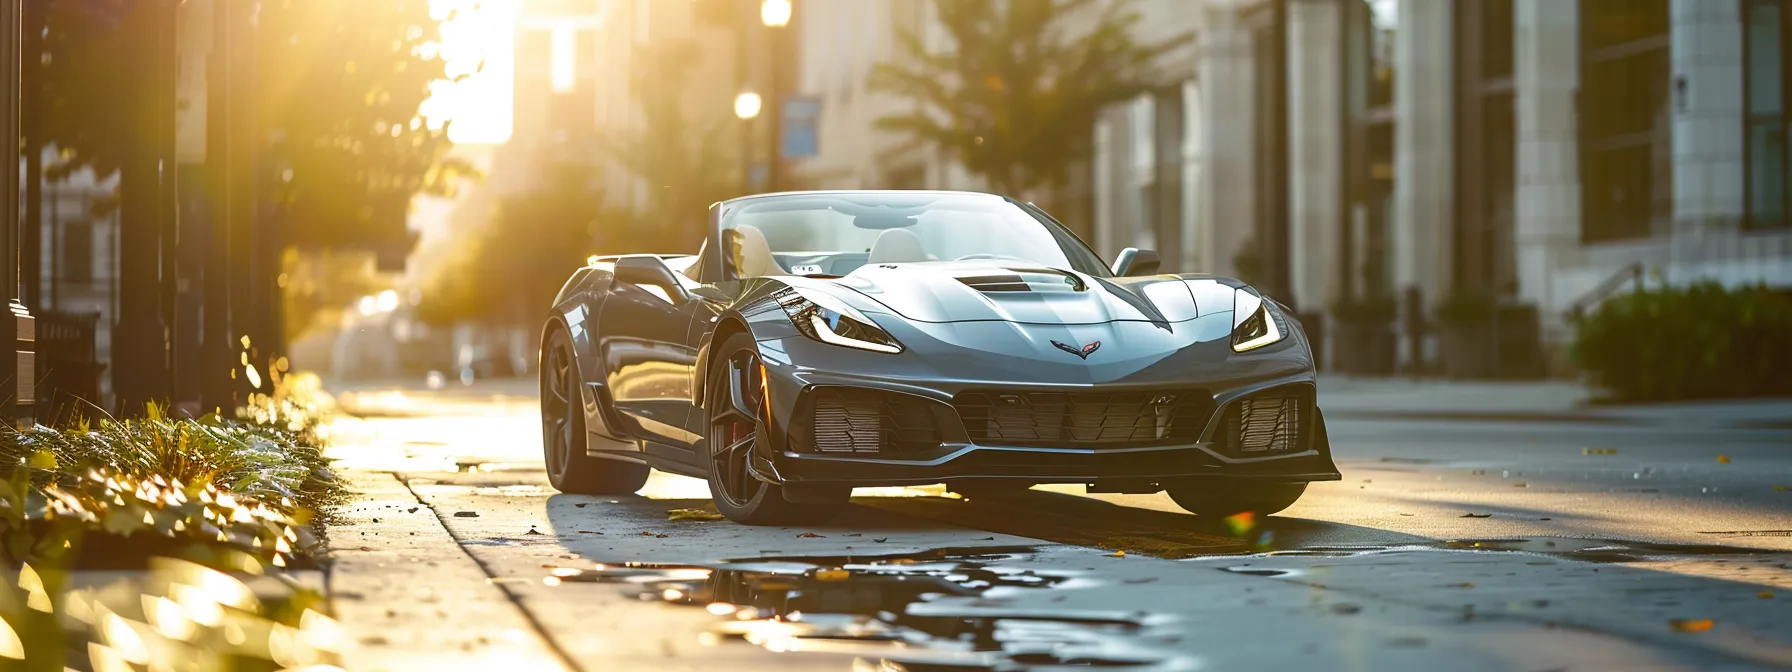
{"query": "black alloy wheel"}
[(563, 438)]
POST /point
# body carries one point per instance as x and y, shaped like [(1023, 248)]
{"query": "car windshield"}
[(830, 234)]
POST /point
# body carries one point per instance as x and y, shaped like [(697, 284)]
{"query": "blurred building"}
[(78, 274), (1436, 184)]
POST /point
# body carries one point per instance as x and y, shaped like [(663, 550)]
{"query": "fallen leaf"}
[(1117, 554), (1782, 488), (661, 536), (364, 548), (1521, 485), (1723, 459), (1690, 625), (466, 514), (646, 533), (810, 535), (1463, 585), (1599, 451), (881, 540), (1477, 515), (692, 515), (831, 575), (1765, 595)]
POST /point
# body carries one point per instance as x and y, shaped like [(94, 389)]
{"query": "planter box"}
[(1364, 348), (1470, 350)]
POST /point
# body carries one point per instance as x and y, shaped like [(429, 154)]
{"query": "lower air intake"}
[(857, 421), (1266, 423)]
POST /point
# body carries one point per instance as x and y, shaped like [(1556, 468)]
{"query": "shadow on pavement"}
[(1084, 521)]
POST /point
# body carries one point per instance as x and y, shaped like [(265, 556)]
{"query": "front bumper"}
[(791, 457)]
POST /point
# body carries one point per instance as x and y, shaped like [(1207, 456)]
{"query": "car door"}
[(647, 317)]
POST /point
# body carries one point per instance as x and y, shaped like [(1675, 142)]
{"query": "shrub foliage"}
[(1697, 342)]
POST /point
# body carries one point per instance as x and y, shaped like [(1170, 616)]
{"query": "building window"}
[(77, 254), (1626, 155), (1765, 85), (1384, 19)]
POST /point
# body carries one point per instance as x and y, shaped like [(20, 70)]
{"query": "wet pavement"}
[(1428, 556)]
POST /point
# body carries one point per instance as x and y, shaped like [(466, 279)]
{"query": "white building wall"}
[(1316, 150), (1225, 201), (1545, 39)]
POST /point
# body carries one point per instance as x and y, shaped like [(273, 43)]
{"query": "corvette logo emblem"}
[(1083, 353)]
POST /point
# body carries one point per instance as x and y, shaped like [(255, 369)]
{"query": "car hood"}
[(1001, 291)]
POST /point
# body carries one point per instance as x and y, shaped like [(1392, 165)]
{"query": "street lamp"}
[(746, 105), (775, 13)]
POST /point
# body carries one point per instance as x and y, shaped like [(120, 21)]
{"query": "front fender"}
[(576, 309)]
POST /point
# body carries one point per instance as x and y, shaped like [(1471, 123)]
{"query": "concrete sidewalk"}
[(1532, 401)]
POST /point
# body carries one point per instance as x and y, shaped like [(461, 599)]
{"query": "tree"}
[(341, 85), (1015, 94), (688, 155), (516, 260)]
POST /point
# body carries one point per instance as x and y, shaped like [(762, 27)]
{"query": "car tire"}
[(563, 438), (1219, 499), (735, 413)]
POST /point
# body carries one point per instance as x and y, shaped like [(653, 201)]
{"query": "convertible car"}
[(821, 341)]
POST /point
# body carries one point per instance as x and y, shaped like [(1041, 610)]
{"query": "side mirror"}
[(1133, 261), (646, 270)]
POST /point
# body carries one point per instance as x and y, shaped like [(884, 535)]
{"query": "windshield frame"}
[(1079, 254)]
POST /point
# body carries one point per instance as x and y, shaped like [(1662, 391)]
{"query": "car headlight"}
[(1252, 324), (829, 320)]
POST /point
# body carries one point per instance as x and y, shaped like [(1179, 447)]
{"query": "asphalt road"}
[(1448, 545)]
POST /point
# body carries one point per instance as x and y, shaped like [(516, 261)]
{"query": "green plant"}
[(208, 506), (1694, 342)]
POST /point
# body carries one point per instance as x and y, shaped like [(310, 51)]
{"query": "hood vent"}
[(1025, 281), (997, 283)]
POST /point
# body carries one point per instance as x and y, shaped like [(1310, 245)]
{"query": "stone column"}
[(1424, 160), (17, 371), (1225, 199), (1547, 229), (1708, 71), (1316, 150)]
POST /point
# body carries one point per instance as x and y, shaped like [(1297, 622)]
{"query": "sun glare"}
[(482, 32)]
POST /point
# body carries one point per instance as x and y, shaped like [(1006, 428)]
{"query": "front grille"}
[(1271, 422), (851, 420), (1108, 419)]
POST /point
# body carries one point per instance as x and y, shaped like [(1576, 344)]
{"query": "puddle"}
[(939, 610)]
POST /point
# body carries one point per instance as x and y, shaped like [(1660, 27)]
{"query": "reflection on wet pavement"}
[(946, 609), (1583, 550)]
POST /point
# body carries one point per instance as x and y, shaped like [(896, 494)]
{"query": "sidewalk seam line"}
[(529, 617)]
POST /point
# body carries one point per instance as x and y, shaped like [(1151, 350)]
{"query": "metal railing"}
[(68, 361), (1633, 273)]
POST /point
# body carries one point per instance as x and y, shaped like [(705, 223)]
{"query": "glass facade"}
[(1764, 80), (1626, 152)]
